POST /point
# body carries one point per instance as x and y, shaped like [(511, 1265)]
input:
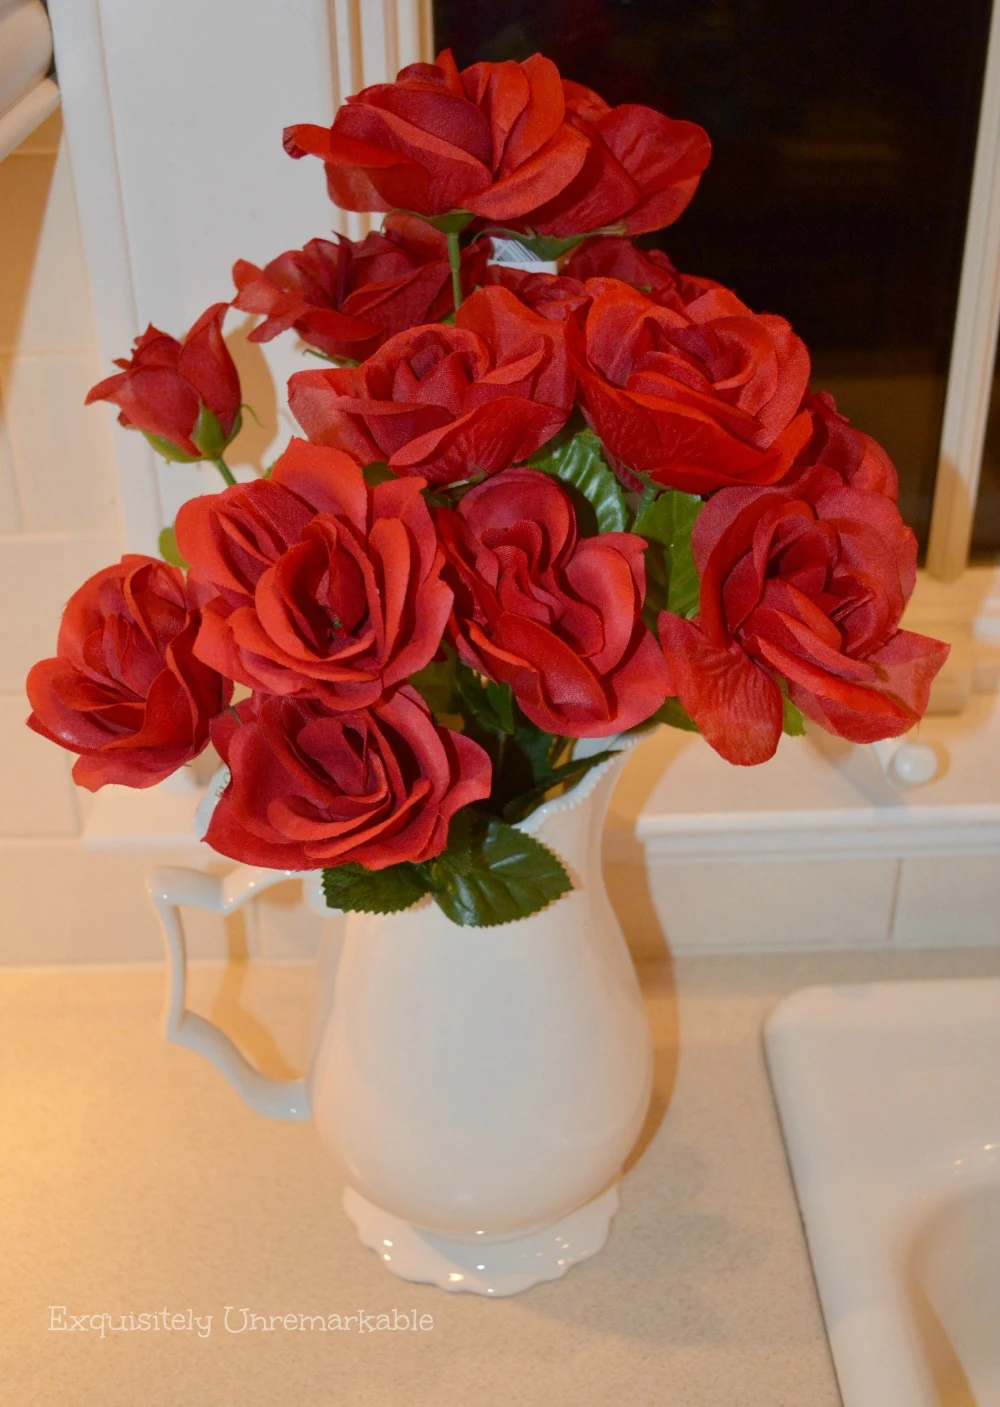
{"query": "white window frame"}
[(977, 317)]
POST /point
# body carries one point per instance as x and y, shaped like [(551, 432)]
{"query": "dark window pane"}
[(986, 526), (844, 135)]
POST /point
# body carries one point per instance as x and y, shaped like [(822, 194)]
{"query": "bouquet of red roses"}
[(529, 508)]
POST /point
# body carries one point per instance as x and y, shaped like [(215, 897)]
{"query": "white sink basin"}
[(889, 1096)]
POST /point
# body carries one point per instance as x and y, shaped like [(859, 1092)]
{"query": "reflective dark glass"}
[(844, 134)]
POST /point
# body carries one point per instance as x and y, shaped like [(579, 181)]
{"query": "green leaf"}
[(451, 222), (492, 873), (208, 434), (535, 745), (565, 776), (548, 247), (792, 721), (673, 713), (377, 473), (490, 705), (167, 543), (647, 500), (437, 684), (666, 523), (522, 761), (579, 461), (353, 889)]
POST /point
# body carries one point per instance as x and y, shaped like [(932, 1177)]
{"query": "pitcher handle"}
[(170, 887)]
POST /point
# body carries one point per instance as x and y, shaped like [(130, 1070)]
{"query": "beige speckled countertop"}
[(133, 1180)]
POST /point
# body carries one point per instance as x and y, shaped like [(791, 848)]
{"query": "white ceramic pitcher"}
[(480, 1086)]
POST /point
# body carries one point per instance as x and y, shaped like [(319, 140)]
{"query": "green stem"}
[(501, 750), (455, 260), (224, 469)]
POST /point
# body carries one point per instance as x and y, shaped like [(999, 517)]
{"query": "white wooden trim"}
[(27, 113), (970, 379), (344, 17), (89, 125), (370, 41), (822, 835)]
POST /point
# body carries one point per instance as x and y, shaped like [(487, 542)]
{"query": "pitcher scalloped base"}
[(483, 1265)]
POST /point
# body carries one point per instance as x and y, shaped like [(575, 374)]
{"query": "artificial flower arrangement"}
[(528, 508)]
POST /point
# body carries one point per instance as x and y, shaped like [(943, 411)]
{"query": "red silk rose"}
[(641, 170), (346, 298), (806, 584), (125, 690), (858, 459), (648, 270), (312, 788), (555, 616), (697, 397), (447, 403), (316, 583), (491, 140), (552, 296), (607, 257), (556, 296), (166, 385)]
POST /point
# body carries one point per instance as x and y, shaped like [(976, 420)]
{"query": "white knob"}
[(906, 764)]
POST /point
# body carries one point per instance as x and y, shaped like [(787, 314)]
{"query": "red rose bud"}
[(640, 172), (345, 299), (805, 584), (447, 403), (697, 396), (315, 583), (184, 396), (312, 788), (492, 140), (125, 690), (555, 616)]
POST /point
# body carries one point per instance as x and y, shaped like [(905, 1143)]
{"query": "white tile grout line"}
[(890, 937)]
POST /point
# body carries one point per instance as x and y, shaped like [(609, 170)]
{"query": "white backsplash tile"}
[(10, 508), (36, 790), (37, 577), (61, 448), (64, 904), (58, 525), (761, 905), (948, 900), (44, 293)]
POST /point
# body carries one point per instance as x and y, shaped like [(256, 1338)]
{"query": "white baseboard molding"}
[(817, 835)]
